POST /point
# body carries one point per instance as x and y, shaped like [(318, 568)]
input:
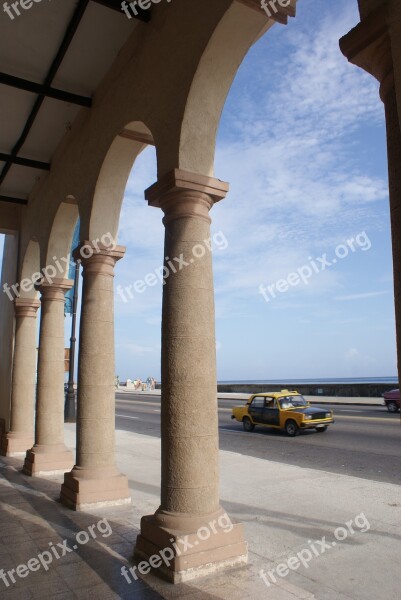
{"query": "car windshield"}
[(292, 402)]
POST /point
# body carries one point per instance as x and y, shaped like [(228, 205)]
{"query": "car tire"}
[(291, 428), (321, 429), (392, 407), (247, 424)]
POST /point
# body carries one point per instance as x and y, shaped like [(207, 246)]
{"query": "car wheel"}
[(291, 428), (392, 407), (321, 429), (247, 424)]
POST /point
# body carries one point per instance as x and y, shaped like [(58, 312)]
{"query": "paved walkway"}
[(291, 516)]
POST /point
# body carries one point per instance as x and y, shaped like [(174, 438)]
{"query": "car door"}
[(271, 412), (256, 409)]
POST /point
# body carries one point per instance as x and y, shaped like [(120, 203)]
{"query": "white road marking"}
[(126, 417)]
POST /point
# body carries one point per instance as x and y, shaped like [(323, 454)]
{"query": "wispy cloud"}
[(362, 296)]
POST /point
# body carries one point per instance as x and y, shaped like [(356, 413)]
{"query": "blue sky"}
[(302, 143)]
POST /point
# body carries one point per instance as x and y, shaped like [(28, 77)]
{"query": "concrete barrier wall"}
[(348, 390)]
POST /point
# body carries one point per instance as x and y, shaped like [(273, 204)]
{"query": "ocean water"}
[(340, 380)]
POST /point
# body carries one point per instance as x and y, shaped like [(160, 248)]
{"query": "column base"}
[(181, 554), (48, 460), (16, 444), (85, 490)]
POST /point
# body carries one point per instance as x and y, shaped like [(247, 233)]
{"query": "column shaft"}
[(49, 454), (21, 435), (394, 168), (189, 414), (373, 45), (95, 478), (190, 479)]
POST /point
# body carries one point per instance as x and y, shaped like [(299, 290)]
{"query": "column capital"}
[(368, 46), (96, 258), (54, 289), (26, 307), (181, 193)]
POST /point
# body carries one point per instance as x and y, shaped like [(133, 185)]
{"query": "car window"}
[(270, 403), (293, 402), (258, 402)]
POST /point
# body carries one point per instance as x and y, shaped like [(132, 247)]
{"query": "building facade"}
[(157, 75)]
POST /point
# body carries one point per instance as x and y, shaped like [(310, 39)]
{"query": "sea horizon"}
[(329, 380)]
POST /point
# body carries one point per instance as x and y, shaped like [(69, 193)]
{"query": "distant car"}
[(282, 410), (392, 400)]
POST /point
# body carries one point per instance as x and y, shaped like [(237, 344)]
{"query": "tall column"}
[(94, 480), (394, 169), (189, 430), (49, 454), (370, 47), (21, 434)]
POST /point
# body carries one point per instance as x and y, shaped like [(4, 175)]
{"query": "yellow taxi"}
[(282, 410)]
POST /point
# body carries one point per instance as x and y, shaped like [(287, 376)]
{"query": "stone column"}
[(369, 46), (95, 481), (21, 434), (190, 448), (394, 169), (49, 455)]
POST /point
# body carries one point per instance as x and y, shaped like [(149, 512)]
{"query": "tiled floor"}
[(32, 522)]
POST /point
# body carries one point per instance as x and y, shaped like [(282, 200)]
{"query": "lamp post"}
[(69, 407)]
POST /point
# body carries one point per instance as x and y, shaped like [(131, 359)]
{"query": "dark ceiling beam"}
[(65, 44), (42, 90), (45, 88), (24, 162), (13, 200), (143, 15)]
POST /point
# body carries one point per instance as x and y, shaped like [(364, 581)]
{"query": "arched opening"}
[(293, 143), (137, 302), (104, 217), (215, 74), (30, 271), (120, 213), (57, 253)]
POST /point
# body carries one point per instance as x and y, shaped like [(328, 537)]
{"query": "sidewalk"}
[(351, 401), (285, 509)]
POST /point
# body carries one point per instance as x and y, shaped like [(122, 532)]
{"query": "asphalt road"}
[(363, 442)]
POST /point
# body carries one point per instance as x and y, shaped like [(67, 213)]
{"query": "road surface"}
[(364, 441)]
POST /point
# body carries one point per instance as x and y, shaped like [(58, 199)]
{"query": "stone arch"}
[(235, 34), (58, 247), (30, 270), (112, 180)]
